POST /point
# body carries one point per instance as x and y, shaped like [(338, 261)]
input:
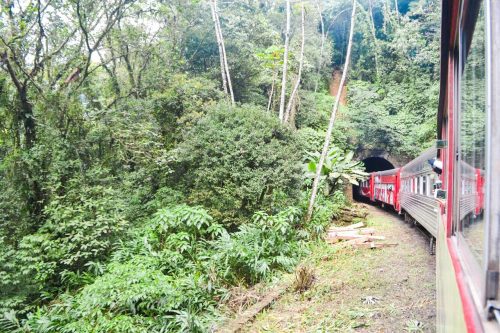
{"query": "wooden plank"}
[(249, 314), (373, 245), (366, 231), (347, 228), (353, 236), (342, 233), (353, 242)]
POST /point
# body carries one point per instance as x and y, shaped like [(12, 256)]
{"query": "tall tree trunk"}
[(28, 118), (369, 15), (271, 93), (219, 44), (386, 16), (301, 62), (226, 66), (323, 38), (396, 8), (328, 135), (293, 112), (374, 35), (285, 62)]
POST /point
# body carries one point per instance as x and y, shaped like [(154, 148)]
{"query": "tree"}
[(237, 160), (323, 39), (285, 63), (226, 77), (331, 123), (301, 62)]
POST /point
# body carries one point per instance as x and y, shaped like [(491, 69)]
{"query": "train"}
[(415, 191), (453, 188)]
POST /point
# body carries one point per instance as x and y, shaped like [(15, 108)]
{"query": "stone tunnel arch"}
[(377, 164)]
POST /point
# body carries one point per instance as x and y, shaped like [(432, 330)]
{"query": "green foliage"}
[(182, 104), (256, 250), (315, 110), (325, 208), (236, 160), (166, 285), (337, 168), (386, 116), (81, 228)]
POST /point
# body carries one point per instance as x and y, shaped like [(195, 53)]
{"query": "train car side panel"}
[(416, 194), (450, 312), (386, 187)]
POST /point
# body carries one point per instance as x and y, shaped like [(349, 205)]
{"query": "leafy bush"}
[(132, 297), (237, 159), (326, 208), (81, 228), (258, 249), (178, 107), (337, 168), (172, 275)]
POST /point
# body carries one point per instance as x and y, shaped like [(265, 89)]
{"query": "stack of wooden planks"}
[(356, 235)]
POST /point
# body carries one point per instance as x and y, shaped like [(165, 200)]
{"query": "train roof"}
[(420, 163), (389, 172)]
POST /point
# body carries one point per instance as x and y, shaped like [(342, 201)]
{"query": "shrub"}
[(325, 208), (256, 250), (170, 275), (237, 160)]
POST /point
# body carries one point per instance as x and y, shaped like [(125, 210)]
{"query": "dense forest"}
[(155, 154)]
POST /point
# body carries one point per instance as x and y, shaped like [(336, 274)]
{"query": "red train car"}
[(366, 188), (468, 225), (386, 187), (382, 187), (459, 204)]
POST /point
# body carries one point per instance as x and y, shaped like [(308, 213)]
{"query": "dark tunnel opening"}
[(371, 164)]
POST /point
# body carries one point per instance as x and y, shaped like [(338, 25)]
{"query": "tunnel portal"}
[(377, 164)]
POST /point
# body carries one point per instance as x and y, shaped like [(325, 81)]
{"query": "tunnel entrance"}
[(377, 164), (371, 164)]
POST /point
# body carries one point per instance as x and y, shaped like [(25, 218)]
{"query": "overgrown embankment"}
[(363, 290)]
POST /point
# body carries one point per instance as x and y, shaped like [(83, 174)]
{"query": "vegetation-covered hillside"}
[(151, 158)]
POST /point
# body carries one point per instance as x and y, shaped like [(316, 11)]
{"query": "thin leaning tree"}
[(226, 77), (301, 63), (328, 135), (323, 39), (285, 63)]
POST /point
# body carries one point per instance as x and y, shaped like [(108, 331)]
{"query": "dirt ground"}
[(362, 290)]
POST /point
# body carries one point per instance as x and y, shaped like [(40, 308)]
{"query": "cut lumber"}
[(367, 231), (353, 242), (343, 233), (373, 245), (348, 236), (347, 228), (362, 231)]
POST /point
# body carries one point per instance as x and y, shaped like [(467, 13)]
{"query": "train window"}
[(424, 185), (472, 138), (432, 185)]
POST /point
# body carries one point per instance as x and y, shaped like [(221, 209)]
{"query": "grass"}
[(362, 290)]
